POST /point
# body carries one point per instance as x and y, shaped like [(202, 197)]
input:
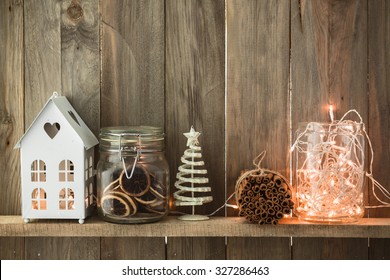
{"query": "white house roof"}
[(74, 120)]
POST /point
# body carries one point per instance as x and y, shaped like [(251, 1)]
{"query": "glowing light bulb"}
[(331, 113)]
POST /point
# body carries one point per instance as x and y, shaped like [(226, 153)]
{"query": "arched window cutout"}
[(90, 167), (38, 199), (90, 191), (86, 168), (66, 171), (38, 171), (66, 199), (89, 195)]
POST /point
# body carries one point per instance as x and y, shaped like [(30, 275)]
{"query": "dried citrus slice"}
[(155, 194), (112, 186), (118, 204), (157, 208), (138, 184), (146, 199)]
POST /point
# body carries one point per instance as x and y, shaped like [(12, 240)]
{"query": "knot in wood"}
[(7, 119), (75, 12)]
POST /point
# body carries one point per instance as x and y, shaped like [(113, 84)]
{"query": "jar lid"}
[(131, 138)]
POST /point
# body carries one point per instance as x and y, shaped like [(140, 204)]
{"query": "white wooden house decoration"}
[(57, 155)]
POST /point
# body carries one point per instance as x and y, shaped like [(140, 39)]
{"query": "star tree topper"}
[(192, 137)]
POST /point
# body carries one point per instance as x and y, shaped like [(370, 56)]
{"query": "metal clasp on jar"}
[(136, 149)]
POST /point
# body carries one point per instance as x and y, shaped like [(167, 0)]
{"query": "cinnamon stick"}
[(263, 197)]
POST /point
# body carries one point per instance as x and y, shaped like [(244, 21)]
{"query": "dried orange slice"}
[(112, 186), (138, 184), (146, 199), (118, 204)]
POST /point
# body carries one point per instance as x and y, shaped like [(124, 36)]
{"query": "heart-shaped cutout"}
[(73, 116), (51, 129)]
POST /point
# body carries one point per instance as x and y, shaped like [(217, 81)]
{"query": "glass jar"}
[(329, 172), (132, 175)]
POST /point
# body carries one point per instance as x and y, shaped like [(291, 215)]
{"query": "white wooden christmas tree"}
[(191, 179)]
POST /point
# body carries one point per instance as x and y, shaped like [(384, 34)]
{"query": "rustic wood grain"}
[(80, 77), (328, 59), (194, 86), (379, 113), (13, 226), (309, 65), (330, 249), (347, 56), (257, 99), (379, 249), (195, 43), (11, 103), (12, 248), (379, 100), (162, 63), (257, 86), (62, 54), (132, 86), (80, 59), (42, 35), (62, 248), (197, 248), (11, 117), (268, 248), (130, 248), (329, 66), (132, 89)]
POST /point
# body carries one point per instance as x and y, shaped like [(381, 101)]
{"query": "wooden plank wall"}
[(328, 67), (244, 73), (257, 103)]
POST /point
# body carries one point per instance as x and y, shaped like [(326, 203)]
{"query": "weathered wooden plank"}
[(42, 66), (12, 248), (379, 118), (80, 76), (132, 86), (379, 99), (329, 66), (195, 87), (328, 59), (62, 248), (80, 58), (132, 89), (11, 117), (348, 57), (268, 248), (379, 249), (196, 248), (172, 227), (257, 100), (257, 86), (11, 103), (309, 75), (330, 249), (62, 54), (133, 248), (195, 43), (42, 54)]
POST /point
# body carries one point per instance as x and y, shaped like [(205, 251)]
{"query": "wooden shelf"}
[(13, 226)]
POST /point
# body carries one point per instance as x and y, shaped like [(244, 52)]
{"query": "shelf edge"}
[(14, 226)]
